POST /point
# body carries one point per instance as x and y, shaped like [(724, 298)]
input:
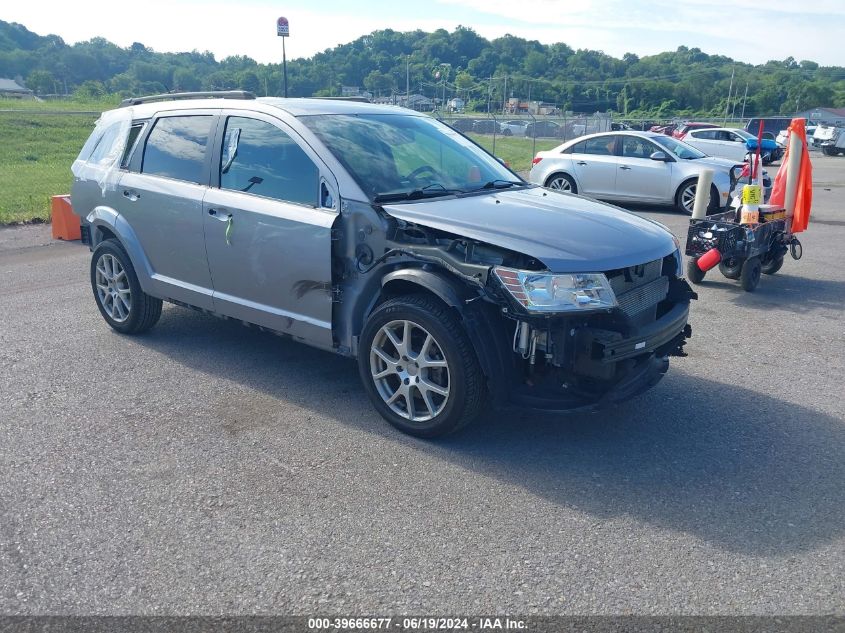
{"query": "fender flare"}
[(435, 282), (105, 217), (485, 329)]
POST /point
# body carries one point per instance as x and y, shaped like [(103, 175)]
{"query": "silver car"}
[(381, 234), (640, 167)]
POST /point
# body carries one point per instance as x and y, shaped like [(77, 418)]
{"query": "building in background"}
[(828, 116), (11, 89)]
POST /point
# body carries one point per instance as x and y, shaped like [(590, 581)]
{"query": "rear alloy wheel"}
[(562, 182), (123, 304), (685, 198), (419, 368)]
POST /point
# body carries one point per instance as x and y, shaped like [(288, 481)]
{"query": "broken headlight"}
[(547, 292)]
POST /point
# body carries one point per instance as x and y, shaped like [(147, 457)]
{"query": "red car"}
[(681, 131)]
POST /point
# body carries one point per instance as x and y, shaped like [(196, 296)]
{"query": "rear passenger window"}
[(602, 146), (106, 149), (176, 147), (261, 159), (134, 132)]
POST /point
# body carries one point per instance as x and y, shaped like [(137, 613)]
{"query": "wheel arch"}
[(562, 172), (481, 321), (106, 223)]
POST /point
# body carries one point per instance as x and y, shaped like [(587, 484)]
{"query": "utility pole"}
[(407, 81), (505, 95), (728, 102), (489, 89), (744, 97)]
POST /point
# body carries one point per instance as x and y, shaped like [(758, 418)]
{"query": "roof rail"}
[(356, 99), (174, 96)]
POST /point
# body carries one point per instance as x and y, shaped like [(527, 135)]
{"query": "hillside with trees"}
[(682, 82)]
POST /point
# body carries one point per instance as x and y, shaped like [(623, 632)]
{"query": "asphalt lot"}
[(205, 468)]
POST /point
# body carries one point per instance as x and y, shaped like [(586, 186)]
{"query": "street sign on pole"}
[(282, 27), (283, 31)]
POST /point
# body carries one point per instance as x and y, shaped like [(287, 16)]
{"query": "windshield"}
[(405, 157), (678, 148), (744, 134)]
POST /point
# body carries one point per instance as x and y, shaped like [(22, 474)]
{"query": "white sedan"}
[(639, 167), (731, 143)]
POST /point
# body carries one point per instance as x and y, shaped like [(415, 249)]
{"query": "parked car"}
[(547, 129), (830, 139), (636, 167), (668, 130), (681, 131), (733, 144), (772, 125), (485, 126), (380, 234), (515, 127), (463, 125)]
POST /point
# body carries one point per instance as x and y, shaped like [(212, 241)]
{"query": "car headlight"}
[(547, 292)]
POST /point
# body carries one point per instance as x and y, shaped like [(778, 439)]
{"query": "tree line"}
[(485, 73)]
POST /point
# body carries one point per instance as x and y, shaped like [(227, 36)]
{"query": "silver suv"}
[(378, 233)]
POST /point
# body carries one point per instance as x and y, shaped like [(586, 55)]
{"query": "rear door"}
[(595, 163), (268, 221), (162, 197), (639, 177)]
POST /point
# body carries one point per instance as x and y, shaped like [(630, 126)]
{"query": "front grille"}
[(640, 299), (639, 289)]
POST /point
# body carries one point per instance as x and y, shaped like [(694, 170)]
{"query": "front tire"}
[(124, 306), (685, 197), (562, 182), (419, 368)]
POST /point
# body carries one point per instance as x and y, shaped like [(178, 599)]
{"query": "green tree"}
[(41, 82)]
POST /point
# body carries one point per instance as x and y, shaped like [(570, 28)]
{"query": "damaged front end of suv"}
[(457, 283)]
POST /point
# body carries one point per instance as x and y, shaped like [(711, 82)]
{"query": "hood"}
[(568, 233), (716, 162)]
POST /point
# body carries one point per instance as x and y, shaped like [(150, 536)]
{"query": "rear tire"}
[(731, 268), (562, 182), (419, 368), (772, 266), (124, 306), (750, 276)]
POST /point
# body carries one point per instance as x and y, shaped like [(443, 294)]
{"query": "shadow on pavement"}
[(744, 471)]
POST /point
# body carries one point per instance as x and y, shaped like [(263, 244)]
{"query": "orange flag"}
[(804, 195)]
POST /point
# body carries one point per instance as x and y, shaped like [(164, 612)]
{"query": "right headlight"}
[(548, 292)]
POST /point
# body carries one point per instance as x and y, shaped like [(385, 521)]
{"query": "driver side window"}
[(260, 159)]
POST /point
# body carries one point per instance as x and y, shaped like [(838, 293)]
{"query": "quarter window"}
[(261, 159), (176, 147)]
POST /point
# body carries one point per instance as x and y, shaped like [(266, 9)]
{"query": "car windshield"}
[(407, 157), (744, 134), (678, 148)]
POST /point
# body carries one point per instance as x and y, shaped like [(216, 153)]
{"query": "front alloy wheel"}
[(409, 370), (419, 367)]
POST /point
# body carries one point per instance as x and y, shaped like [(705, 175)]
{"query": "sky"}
[(746, 31)]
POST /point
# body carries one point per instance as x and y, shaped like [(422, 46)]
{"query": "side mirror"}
[(661, 156)]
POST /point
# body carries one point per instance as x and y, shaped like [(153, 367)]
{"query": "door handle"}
[(625, 167), (581, 162), (220, 214), (131, 195)]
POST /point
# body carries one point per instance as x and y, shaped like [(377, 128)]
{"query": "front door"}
[(639, 177), (268, 231)]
